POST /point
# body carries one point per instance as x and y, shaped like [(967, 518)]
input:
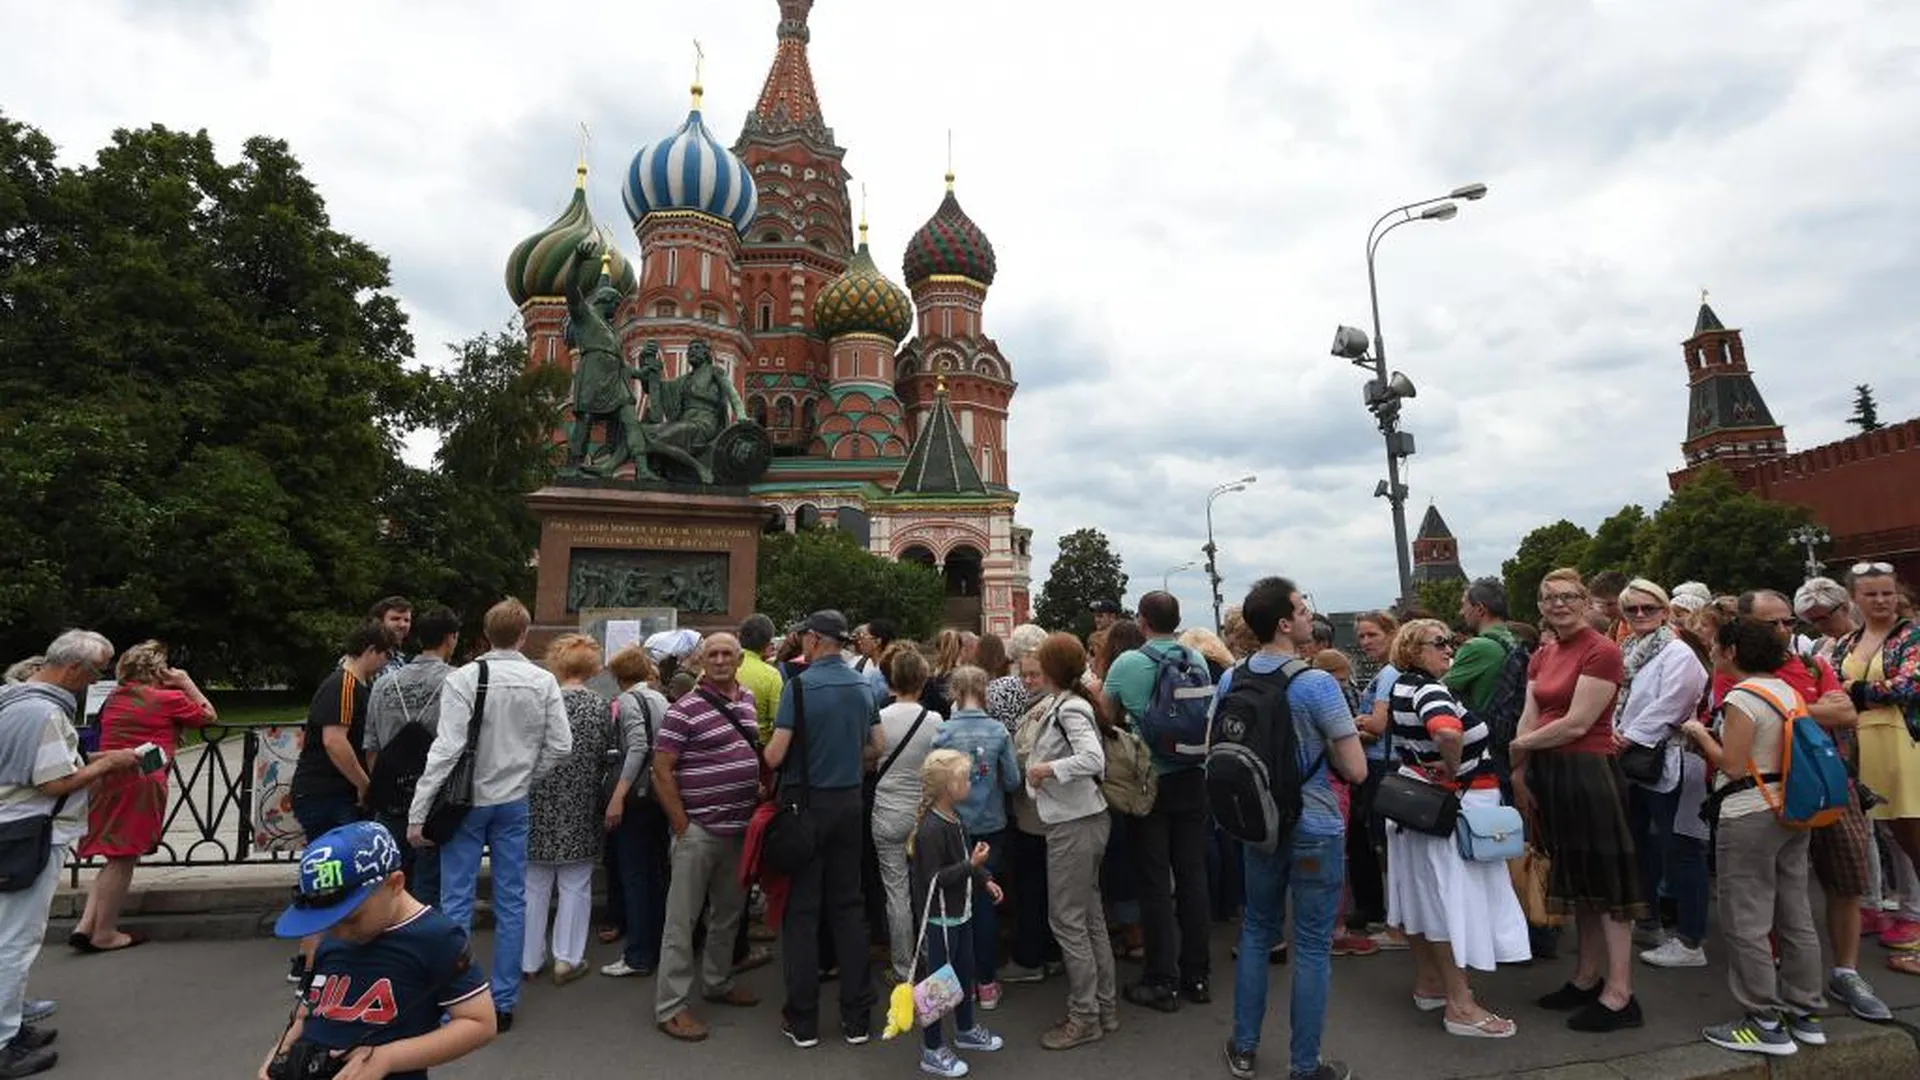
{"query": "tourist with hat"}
[(826, 734), (387, 970), (1105, 614)]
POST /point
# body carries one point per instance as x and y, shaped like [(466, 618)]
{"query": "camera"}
[(305, 1061), (1869, 798)]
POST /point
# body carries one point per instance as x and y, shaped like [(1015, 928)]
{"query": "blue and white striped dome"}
[(690, 170)]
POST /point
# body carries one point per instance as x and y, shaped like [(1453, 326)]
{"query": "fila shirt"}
[(391, 988)]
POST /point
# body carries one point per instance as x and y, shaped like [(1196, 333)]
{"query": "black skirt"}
[(1583, 830)]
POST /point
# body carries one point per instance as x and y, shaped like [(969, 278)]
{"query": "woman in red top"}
[(151, 705), (1565, 777)]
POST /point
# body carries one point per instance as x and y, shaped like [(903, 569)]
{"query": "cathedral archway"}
[(963, 571), (918, 554)]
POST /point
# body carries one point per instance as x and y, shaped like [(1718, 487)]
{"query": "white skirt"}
[(1433, 892)]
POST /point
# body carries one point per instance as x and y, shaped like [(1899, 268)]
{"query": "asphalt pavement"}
[(199, 1009)]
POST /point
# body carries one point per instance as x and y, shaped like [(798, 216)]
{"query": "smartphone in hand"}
[(152, 758)]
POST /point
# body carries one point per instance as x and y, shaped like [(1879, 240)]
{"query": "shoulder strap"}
[(911, 732), (799, 688), (725, 708), (479, 708), (1787, 712)]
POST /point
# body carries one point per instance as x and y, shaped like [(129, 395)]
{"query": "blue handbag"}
[(1489, 833)]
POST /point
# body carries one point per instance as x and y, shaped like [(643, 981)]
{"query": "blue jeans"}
[(321, 814), (1313, 870), (502, 830), (422, 864), (984, 928), (956, 947), (641, 849)]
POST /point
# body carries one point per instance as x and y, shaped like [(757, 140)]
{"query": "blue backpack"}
[(1812, 777), (1175, 723)]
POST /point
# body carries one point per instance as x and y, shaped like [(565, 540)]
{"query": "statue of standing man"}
[(602, 380)]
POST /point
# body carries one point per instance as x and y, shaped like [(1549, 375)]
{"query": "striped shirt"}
[(716, 767), (1421, 708)]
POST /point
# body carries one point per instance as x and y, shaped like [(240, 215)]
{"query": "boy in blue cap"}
[(387, 970)]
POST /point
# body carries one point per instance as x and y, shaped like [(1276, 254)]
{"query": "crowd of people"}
[(980, 813)]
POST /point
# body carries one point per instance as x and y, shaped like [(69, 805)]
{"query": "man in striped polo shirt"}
[(706, 776)]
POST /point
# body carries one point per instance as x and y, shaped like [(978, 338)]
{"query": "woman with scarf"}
[(1661, 690)]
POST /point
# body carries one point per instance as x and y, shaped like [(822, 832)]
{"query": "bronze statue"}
[(602, 381)]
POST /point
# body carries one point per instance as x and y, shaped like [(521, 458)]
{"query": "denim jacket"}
[(995, 773)]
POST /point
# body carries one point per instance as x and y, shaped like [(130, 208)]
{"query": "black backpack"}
[(1502, 714), (396, 771), (1253, 774)]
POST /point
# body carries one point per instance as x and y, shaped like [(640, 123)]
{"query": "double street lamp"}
[(1810, 537), (1166, 578), (1212, 550), (1384, 393)]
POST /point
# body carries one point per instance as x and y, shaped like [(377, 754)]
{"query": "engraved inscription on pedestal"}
[(604, 533), (692, 582)]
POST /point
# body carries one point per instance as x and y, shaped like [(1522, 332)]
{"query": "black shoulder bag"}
[(791, 839), (25, 847), (455, 797)]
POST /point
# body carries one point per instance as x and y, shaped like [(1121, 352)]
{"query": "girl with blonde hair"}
[(949, 867)]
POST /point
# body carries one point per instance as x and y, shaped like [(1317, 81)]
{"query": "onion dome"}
[(541, 264), (690, 170), (949, 243), (862, 301)]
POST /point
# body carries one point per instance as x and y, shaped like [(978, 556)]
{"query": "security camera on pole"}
[(1384, 393)]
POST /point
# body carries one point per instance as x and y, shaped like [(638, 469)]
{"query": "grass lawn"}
[(247, 708)]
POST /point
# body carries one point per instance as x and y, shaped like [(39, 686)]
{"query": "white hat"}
[(1691, 596), (667, 643)]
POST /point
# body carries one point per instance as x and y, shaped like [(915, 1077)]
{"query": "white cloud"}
[(1178, 201)]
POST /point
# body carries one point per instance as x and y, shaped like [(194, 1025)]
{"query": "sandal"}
[(1429, 1004), (1905, 963), (85, 946), (1487, 1027)]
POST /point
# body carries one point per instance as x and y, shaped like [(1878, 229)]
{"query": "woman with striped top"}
[(1456, 914)]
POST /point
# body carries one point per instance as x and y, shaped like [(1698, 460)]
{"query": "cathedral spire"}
[(788, 99)]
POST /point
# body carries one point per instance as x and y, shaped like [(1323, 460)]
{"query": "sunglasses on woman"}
[(1875, 569), (1641, 611), (1443, 644)]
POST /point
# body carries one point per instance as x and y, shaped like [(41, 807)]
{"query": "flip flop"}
[(1905, 963), (1482, 1029), (1429, 1004), (86, 947)]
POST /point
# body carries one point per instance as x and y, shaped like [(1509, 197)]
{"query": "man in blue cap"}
[(387, 970)]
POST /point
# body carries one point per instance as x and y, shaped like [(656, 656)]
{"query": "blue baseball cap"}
[(338, 872)]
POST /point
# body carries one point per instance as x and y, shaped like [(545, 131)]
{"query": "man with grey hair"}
[(43, 776)]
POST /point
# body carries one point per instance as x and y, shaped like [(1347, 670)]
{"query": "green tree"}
[(1541, 551), (1441, 599), (817, 568), (1615, 543), (202, 387), (1085, 570), (460, 532), (1713, 531), (1866, 414)]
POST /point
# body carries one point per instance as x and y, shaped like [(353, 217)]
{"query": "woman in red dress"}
[(152, 704)]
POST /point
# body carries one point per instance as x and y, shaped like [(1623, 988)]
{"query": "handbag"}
[(640, 791), (791, 839), (455, 797), (25, 847), (1529, 873), (1416, 804), (1643, 764), (1489, 833), (940, 992)]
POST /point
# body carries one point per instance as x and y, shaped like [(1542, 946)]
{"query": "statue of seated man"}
[(691, 410)]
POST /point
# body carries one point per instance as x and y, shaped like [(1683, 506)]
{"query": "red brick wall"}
[(1864, 490)]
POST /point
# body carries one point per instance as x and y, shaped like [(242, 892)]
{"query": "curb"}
[(1858, 1050)]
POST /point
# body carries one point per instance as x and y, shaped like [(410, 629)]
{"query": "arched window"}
[(807, 417), (665, 309), (766, 315), (757, 409)]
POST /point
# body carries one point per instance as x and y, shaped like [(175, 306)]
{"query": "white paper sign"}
[(621, 633)]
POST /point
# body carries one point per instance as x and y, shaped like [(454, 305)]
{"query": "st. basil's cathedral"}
[(886, 408)]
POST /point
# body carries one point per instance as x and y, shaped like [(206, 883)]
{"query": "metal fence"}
[(210, 818)]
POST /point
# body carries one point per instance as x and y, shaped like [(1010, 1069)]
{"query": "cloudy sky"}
[(1179, 197)]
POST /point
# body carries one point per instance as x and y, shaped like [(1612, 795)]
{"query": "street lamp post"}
[(1166, 578), (1810, 537), (1384, 393), (1212, 550)]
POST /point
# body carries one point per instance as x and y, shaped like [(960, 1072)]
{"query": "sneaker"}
[(858, 1032), (1851, 989), (34, 1038), (1807, 1028), (34, 1010), (978, 1038), (1014, 973), (564, 973), (1569, 997), (1328, 1070), (1054, 968), (1674, 953), (987, 996), (1596, 1018), (1070, 1033), (502, 1020), (17, 1060), (804, 1038), (1239, 1062), (1748, 1035), (1901, 935), (1197, 991), (1390, 940), (1648, 934), (942, 1062), (1354, 945), (619, 969), (1874, 922), (1153, 996)]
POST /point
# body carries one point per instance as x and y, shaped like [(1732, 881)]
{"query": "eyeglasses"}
[(1863, 569), (1443, 644), (1817, 616), (1557, 599), (1642, 610)]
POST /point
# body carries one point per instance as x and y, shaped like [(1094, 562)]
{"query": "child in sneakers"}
[(949, 868)]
